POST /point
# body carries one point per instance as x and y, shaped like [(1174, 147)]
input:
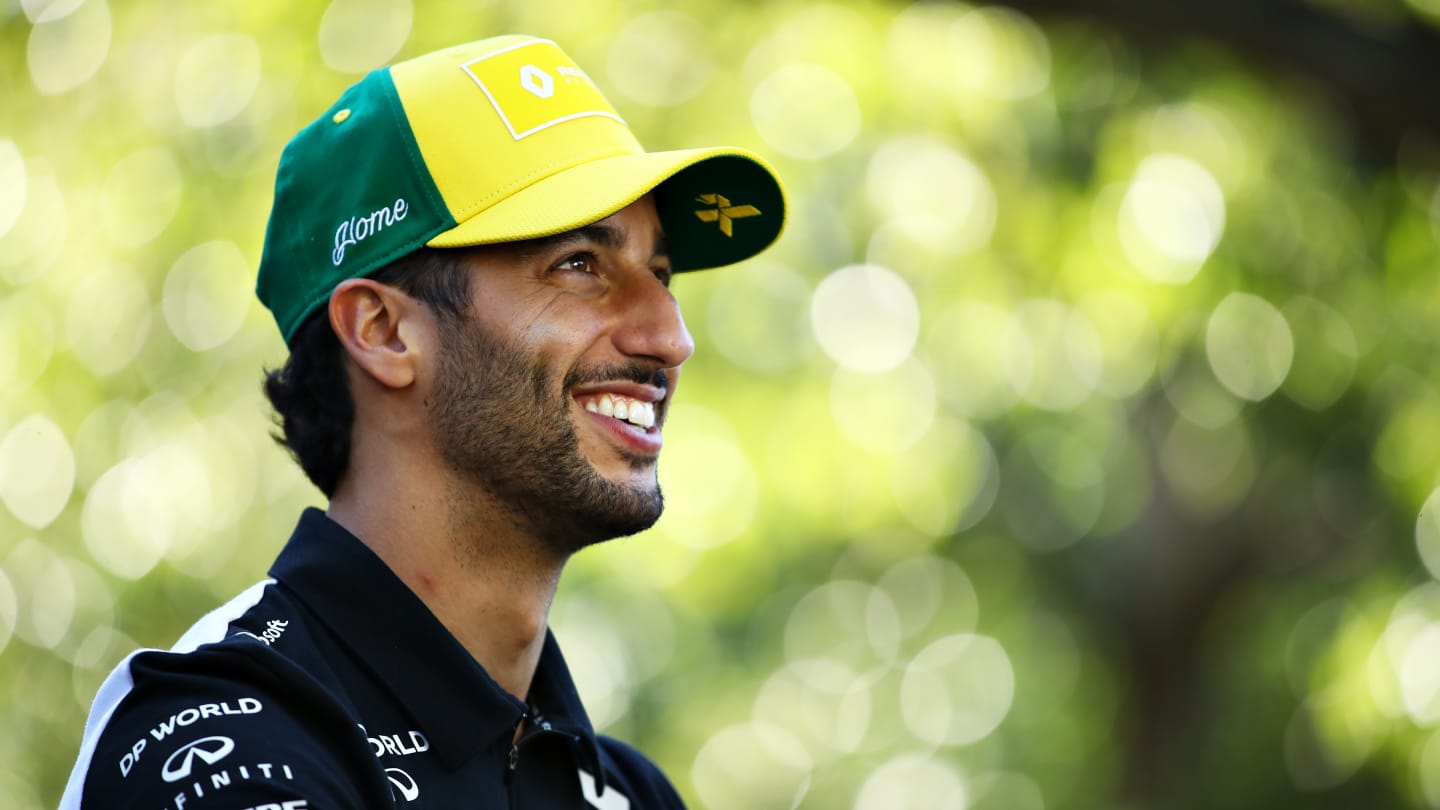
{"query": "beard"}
[(502, 424)]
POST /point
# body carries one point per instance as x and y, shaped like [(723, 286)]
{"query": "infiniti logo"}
[(209, 749), (408, 788)]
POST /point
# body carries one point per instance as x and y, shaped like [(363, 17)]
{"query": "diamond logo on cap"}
[(533, 86), (723, 212)]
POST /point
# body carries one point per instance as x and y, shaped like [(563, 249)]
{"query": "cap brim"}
[(717, 205)]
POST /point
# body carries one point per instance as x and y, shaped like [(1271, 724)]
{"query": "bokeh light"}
[(913, 782), (594, 651), (41, 11), (759, 318), (1012, 791), (1000, 53), (1127, 337), (27, 339), (806, 111), (9, 608), (1427, 533), (886, 412), (947, 479), (1210, 469), (1172, 218), (204, 298), (957, 690), (109, 318), (37, 471), (1197, 396), (1066, 351), (983, 357), (36, 238), (68, 45), (865, 318), (752, 765), (150, 174), (710, 487), (216, 78), (928, 589), (1326, 353), (1249, 345), (13, 185), (828, 710), (660, 58), (1419, 671), (932, 193), (851, 622), (1427, 769), (46, 593), (357, 36)]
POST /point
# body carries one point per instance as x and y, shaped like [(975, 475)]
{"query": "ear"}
[(380, 327)]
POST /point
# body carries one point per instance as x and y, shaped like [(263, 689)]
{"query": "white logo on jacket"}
[(611, 799), (186, 717), (209, 749)]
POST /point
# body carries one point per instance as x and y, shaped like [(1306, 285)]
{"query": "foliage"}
[(1067, 451)]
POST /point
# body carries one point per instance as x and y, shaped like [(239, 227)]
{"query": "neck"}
[(472, 564)]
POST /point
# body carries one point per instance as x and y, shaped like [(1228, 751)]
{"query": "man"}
[(469, 258)]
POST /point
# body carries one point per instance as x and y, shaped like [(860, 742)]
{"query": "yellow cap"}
[(492, 141)]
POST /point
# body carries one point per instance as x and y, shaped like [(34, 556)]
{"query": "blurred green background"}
[(1071, 450)]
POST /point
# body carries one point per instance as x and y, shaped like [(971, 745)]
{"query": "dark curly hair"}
[(314, 410)]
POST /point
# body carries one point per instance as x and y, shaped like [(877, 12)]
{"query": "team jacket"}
[(331, 686)]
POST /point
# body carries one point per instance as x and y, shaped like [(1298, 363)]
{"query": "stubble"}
[(503, 425)]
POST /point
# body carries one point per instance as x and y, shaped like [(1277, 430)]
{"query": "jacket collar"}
[(457, 705)]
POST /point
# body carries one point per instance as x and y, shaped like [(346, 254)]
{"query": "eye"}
[(663, 273), (578, 263)]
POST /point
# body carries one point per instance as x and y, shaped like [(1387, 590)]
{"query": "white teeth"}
[(647, 415), (640, 414), (637, 414)]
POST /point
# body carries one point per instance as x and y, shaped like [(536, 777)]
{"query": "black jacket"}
[(332, 686)]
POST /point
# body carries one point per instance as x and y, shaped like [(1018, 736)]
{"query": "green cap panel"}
[(352, 195)]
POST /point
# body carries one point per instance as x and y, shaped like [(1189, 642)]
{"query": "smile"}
[(626, 409)]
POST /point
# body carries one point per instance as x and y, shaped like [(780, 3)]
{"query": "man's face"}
[(551, 394)]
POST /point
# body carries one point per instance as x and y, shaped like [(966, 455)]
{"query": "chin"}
[(614, 509)]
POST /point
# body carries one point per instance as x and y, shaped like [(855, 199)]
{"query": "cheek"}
[(561, 344)]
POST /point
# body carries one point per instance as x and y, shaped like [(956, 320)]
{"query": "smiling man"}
[(469, 256)]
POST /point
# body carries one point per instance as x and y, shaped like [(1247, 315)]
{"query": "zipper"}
[(541, 727), (513, 761)]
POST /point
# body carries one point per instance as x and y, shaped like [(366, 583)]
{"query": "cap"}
[(498, 140)]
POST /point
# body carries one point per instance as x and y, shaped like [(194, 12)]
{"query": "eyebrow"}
[(603, 234)]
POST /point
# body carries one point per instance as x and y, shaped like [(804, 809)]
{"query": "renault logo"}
[(537, 81), (209, 749)]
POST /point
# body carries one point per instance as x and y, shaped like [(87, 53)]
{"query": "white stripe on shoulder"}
[(118, 684), (212, 625)]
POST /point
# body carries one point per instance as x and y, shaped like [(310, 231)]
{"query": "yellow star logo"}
[(723, 212)]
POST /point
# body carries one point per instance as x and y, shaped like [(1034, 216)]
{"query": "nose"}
[(651, 325)]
